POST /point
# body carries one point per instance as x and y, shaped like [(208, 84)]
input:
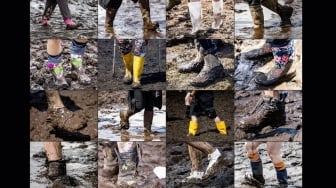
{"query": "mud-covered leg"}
[(111, 12), (196, 173), (145, 11), (48, 10)]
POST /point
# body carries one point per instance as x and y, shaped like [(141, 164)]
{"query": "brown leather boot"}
[(148, 119), (285, 12)]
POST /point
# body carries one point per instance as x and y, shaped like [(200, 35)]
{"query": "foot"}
[(46, 22), (78, 69), (58, 73), (136, 85), (127, 79), (214, 164), (274, 76), (124, 122), (66, 119), (151, 26), (70, 25), (194, 177), (285, 15), (250, 180)]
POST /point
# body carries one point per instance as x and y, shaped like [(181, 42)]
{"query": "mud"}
[(81, 164), (246, 70), (84, 12), (41, 77), (180, 30), (272, 29), (154, 71), (291, 130), (291, 153), (153, 155), (180, 52), (128, 21), (84, 102), (177, 123), (179, 166), (109, 105)]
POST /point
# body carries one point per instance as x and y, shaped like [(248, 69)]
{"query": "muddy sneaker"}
[(215, 164), (58, 72), (78, 69), (46, 22), (70, 25), (172, 3), (249, 179), (66, 119), (264, 51), (195, 65), (128, 163), (265, 112), (211, 71), (194, 177), (124, 122)]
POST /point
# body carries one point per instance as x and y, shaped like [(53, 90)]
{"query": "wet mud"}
[(81, 103), (291, 153), (82, 12), (154, 72), (81, 164), (177, 123), (288, 129), (41, 77)]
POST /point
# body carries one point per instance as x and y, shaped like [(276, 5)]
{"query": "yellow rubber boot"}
[(193, 126), (138, 64), (128, 61), (221, 127)]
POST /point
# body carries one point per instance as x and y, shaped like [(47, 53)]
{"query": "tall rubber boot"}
[(145, 11), (110, 167), (124, 119), (285, 12), (221, 127), (128, 61), (77, 51), (195, 16), (193, 126), (148, 120), (217, 9), (257, 16), (281, 173), (128, 164), (138, 64)]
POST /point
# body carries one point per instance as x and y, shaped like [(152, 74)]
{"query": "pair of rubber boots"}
[(209, 69), (193, 127), (133, 69)]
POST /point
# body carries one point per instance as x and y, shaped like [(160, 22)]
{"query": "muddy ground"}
[(179, 30), (154, 71), (179, 166), (153, 156), (80, 102), (291, 153), (128, 21), (81, 164), (246, 70), (41, 77), (184, 52), (82, 11), (272, 29), (177, 124), (109, 105), (289, 130)]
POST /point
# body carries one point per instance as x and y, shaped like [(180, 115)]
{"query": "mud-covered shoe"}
[(195, 65), (46, 22), (145, 11), (275, 75), (249, 179), (264, 51), (211, 71), (58, 73), (128, 164), (56, 169), (78, 69), (70, 25), (215, 164), (194, 177), (124, 119), (285, 13), (136, 85), (267, 111), (66, 119), (110, 167)]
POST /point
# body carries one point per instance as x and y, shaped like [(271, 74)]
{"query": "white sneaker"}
[(194, 176), (213, 164)]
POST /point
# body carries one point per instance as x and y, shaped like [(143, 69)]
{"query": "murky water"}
[(109, 123), (128, 21), (244, 23), (81, 163)]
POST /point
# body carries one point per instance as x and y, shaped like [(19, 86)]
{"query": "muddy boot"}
[(257, 16), (145, 11), (54, 64), (109, 17), (128, 164), (256, 178), (56, 171), (211, 71), (124, 116), (148, 119), (215, 163), (111, 167), (217, 8), (221, 127), (66, 119), (138, 64), (285, 12), (264, 51), (265, 113), (283, 58), (195, 16), (195, 65), (76, 58), (281, 173), (128, 61), (70, 25), (172, 3)]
